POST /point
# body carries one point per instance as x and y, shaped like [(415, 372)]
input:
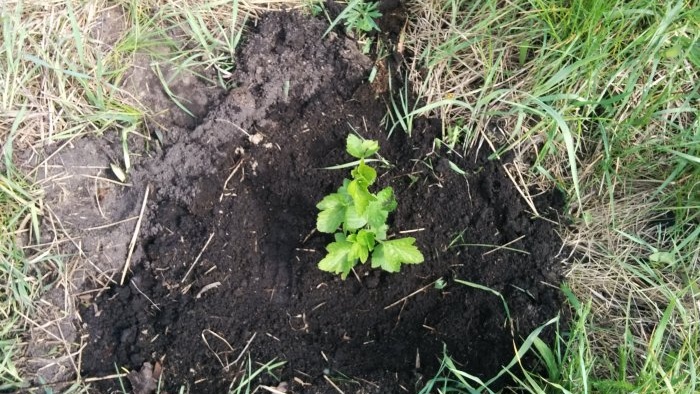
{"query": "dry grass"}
[(604, 108)]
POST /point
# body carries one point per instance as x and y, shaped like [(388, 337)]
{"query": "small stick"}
[(247, 345), (504, 245), (272, 390), (111, 224), (132, 244), (356, 275), (197, 259), (108, 377), (97, 200), (235, 169), (144, 294), (410, 295), (106, 180), (204, 338), (333, 384), (412, 231), (207, 288)]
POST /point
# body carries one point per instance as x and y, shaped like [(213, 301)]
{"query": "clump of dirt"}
[(227, 259)]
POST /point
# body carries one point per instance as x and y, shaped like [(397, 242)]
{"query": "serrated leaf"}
[(333, 212), (376, 214), (389, 255), (366, 238), (360, 196), (359, 251), (380, 232), (360, 148), (343, 190), (338, 259), (364, 174), (386, 197), (352, 220), (329, 220), (378, 210)]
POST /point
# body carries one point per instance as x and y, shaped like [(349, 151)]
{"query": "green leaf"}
[(387, 199), (662, 257), (358, 250), (333, 212), (389, 255), (352, 220), (366, 238), (364, 174), (338, 259), (360, 148), (376, 214), (380, 232), (360, 196), (378, 211)]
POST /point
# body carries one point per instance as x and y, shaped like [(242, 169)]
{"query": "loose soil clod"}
[(243, 210)]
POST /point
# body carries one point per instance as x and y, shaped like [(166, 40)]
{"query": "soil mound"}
[(227, 259)]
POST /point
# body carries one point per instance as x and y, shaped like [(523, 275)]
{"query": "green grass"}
[(18, 274), (600, 100)]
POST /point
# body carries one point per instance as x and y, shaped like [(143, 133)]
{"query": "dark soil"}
[(254, 201)]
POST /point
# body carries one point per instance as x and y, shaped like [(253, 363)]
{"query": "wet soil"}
[(227, 254)]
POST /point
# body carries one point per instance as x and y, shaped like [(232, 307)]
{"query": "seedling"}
[(358, 218), (359, 18)]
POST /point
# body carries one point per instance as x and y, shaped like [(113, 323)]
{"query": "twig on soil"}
[(134, 237), (410, 295), (272, 336), (207, 288), (271, 390), (197, 259), (308, 236), (106, 180), (97, 200), (104, 226), (398, 318), (143, 294), (245, 349), (234, 125), (417, 230), (357, 276), (108, 377), (505, 246), (333, 384), (233, 172), (204, 338)]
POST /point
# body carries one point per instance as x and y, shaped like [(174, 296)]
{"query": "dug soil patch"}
[(226, 260)]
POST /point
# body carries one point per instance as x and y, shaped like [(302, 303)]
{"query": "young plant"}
[(358, 218), (360, 20)]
